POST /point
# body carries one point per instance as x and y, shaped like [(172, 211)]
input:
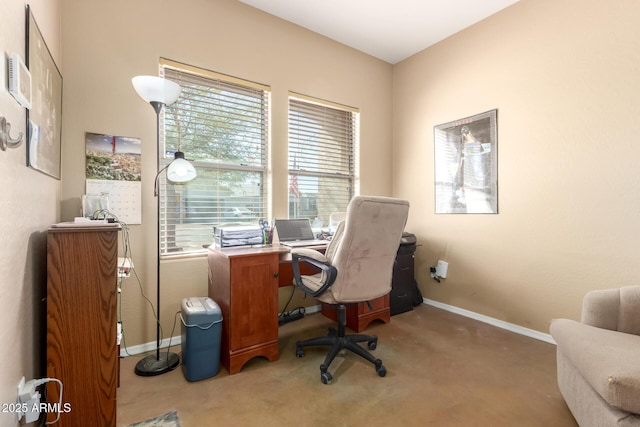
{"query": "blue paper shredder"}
[(201, 334)]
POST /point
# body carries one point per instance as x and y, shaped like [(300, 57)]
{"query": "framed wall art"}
[(44, 119), (466, 166)]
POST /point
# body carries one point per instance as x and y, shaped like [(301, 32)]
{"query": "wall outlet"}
[(20, 387), (442, 269), (28, 405), (32, 413)]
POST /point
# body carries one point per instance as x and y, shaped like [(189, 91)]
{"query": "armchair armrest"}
[(614, 309), (316, 259), (601, 308)]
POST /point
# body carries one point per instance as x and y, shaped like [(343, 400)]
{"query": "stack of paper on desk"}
[(237, 235)]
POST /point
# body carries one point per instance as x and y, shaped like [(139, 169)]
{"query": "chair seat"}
[(315, 282)]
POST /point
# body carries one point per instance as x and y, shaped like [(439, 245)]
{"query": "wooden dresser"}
[(81, 323)]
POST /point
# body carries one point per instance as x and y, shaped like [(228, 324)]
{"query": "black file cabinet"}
[(403, 288)]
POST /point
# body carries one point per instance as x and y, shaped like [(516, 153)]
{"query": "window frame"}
[(174, 214), (316, 109)]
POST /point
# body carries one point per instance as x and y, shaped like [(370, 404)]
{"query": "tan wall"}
[(565, 79), (28, 205), (563, 75), (107, 43)]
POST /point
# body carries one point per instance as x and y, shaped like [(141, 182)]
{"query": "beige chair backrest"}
[(364, 247)]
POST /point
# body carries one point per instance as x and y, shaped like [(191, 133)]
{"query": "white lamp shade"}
[(180, 170), (156, 89)]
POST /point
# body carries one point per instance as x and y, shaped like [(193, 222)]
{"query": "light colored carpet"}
[(443, 370), (170, 419)]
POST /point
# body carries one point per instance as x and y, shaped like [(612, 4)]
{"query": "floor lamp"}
[(160, 92)]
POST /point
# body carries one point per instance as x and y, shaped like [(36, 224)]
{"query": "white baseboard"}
[(490, 320), (151, 346), (147, 347)]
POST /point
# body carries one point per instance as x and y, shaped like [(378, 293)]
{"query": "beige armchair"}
[(356, 267), (599, 359)]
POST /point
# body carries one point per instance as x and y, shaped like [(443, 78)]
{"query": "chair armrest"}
[(316, 259), (310, 253)]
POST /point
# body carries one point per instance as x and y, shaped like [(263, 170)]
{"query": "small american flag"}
[(293, 184)]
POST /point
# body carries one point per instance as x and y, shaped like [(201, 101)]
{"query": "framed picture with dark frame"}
[(44, 119), (466, 165)]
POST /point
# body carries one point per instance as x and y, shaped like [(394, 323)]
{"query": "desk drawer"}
[(376, 304)]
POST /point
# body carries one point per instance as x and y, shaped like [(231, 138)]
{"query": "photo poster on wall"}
[(114, 169), (466, 166)]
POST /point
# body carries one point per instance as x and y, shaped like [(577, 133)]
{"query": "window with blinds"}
[(323, 139), (221, 125)]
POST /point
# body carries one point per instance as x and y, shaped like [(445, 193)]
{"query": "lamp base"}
[(151, 365)]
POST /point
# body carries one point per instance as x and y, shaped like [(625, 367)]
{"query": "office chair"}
[(356, 267)]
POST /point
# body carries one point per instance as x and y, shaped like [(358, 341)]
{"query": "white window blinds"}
[(322, 158), (221, 124)]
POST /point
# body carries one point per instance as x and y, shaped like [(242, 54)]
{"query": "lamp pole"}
[(157, 106), (158, 92), (160, 362)]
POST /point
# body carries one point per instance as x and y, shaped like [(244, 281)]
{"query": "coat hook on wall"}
[(5, 137)]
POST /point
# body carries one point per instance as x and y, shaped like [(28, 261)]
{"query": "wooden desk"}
[(244, 282)]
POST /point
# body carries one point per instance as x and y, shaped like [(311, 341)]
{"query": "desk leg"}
[(237, 359)]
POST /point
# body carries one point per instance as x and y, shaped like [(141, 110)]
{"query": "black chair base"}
[(338, 340)]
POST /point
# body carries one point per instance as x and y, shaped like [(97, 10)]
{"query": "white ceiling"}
[(391, 30)]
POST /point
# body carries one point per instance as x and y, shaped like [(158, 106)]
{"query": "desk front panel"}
[(254, 301), (245, 286)]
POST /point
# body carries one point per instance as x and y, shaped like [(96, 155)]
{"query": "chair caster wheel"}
[(380, 369), (325, 377), (372, 345), (299, 352)]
